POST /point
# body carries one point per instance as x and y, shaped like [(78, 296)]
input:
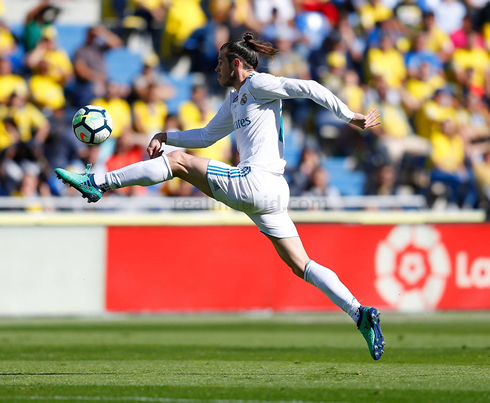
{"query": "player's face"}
[(226, 75)]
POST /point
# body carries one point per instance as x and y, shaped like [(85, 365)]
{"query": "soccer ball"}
[(92, 124)]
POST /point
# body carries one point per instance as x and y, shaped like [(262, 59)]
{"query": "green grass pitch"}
[(442, 357)]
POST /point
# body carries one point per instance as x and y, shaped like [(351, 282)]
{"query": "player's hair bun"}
[(248, 36)]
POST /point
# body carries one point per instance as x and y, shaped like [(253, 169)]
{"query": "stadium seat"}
[(348, 181), (71, 37), (183, 87), (123, 65)]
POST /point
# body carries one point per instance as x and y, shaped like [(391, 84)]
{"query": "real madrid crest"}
[(243, 101)]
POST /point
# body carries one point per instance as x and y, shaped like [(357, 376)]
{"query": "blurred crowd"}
[(423, 64)]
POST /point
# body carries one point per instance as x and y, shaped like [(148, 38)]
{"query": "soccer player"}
[(256, 186)]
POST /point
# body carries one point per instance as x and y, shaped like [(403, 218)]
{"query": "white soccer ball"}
[(92, 124)]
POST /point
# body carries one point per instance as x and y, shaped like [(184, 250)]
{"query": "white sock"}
[(328, 283), (144, 173)]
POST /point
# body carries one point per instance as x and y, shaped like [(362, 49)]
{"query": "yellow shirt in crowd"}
[(389, 65), (477, 59), (10, 83), (192, 118), (120, 112), (27, 119), (371, 14), (447, 152), (7, 41), (423, 90), (428, 118), (46, 92), (59, 63), (151, 117), (394, 121), (437, 40)]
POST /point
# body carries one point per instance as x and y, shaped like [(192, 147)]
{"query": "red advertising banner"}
[(404, 267)]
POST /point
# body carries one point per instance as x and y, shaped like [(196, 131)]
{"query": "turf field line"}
[(152, 399)]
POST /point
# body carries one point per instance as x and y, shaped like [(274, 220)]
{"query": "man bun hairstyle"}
[(248, 49)]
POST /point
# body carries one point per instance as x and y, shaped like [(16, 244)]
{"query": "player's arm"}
[(267, 87), (220, 126)]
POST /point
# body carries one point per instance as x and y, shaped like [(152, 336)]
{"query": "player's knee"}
[(177, 160)]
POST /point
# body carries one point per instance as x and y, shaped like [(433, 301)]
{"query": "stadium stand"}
[(346, 46)]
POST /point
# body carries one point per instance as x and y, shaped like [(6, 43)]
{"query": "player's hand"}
[(366, 121), (154, 148)]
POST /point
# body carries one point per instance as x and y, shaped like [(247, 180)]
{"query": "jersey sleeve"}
[(220, 126), (266, 87)]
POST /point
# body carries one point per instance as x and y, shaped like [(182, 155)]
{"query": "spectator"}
[(183, 18), (58, 63), (302, 178), (386, 62), (448, 158), (449, 15), (149, 114), (422, 85), (153, 12), (119, 109), (334, 74), (384, 183), (150, 76), (433, 112), (28, 119), (395, 133), (7, 40), (126, 153), (62, 148), (46, 92), (288, 62), (460, 37), (197, 113), (372, 12), (44, 14), (90, 69), (8, 130), (419, 54), (30, 187), (9, 82), (409, 14), (477, 122), (437, 40), (352, 92), (16, 162), (320, 187), (203, 45), (474, 59)]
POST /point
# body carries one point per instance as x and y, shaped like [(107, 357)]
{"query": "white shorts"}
[(262, 195)]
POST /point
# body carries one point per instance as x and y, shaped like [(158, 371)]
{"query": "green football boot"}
[(84, 183), (369, 326)]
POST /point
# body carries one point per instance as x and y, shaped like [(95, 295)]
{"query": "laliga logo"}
[(412, 267)]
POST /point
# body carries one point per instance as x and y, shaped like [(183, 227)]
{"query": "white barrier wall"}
[(76, 12), (52, 270)]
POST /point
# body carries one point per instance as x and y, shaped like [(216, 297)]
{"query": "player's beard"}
[(231, 80)]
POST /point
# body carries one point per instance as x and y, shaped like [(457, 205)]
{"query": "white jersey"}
[(255, 114)]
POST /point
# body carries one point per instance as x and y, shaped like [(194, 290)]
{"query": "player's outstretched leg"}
[(291, 250), (84, 183), (92, 186), (369, 324), (145, 173)]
